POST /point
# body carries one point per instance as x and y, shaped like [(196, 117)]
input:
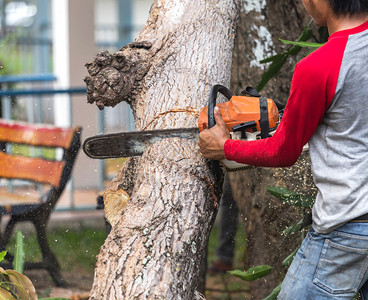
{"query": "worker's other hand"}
[(211, 141)]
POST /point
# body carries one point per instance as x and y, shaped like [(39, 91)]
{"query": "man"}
[(327, 108)]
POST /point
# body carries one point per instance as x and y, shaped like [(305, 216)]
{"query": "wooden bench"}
[(51, 174)]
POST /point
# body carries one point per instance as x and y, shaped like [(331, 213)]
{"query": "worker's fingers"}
[(218, 117), (211, 141)]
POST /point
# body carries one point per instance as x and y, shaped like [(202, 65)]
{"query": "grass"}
[(75, 249)]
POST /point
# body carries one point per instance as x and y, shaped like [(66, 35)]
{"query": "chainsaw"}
[(248, 117)]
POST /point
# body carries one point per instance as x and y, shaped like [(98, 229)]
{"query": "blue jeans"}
[(329, 266)]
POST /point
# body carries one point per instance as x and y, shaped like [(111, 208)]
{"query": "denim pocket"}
[(340, 268)]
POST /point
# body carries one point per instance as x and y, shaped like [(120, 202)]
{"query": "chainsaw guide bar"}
[(126, 144), (247, 117)]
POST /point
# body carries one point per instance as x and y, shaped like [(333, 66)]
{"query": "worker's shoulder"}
[(327, 58)]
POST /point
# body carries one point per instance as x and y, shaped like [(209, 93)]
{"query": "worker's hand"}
[(211, 141)]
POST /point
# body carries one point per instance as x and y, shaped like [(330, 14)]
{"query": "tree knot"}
[(113, 77)]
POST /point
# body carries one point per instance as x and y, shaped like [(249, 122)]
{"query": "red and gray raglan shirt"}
[(327, 108)]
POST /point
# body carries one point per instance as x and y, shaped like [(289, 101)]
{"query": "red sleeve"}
[(312, 90)]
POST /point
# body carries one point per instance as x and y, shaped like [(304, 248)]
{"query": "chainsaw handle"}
[(218, 88)]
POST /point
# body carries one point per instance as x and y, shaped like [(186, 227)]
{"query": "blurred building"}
[(57, 37)]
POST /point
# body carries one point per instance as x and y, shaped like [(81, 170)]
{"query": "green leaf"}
[(23, 286), (290, 197), (2, 255), (272, 70), (18, 262), (280, 59), (295, 228), (289, 259), (6, 295), (306, 34), (252, 273), (271, 59), (274, 293), (302, 44)]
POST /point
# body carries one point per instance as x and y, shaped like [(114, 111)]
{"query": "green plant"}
[(294, 199), (13, 284), (252, 273), (278, 60), (75, 248), (290, 198), (298, 200)]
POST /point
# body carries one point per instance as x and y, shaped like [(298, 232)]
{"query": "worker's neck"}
[(339, 23)]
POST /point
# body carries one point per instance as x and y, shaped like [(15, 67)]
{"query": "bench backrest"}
[(38, 169)]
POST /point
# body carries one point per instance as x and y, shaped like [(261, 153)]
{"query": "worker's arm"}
[(312, 89)]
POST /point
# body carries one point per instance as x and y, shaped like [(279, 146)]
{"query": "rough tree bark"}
[(156, 245)]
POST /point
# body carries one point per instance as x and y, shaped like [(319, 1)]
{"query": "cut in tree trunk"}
[(156, 245)]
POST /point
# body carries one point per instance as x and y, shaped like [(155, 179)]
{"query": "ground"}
[(76, 250), (78, 284), (219, 287)]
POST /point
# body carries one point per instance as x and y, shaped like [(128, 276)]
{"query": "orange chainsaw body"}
[(240, 109)]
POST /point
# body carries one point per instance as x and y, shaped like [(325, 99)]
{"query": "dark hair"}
[(349, 7)]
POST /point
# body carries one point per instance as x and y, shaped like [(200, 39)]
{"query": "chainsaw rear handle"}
[(218, 88)]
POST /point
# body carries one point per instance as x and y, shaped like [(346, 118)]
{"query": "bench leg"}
[(50, 262), (49, 259), (6, 237), (8, 231)]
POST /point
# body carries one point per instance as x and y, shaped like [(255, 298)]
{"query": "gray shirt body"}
[(339, 147)]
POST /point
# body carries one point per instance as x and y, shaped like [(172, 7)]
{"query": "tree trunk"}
[(155, 248), (261, 23)]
